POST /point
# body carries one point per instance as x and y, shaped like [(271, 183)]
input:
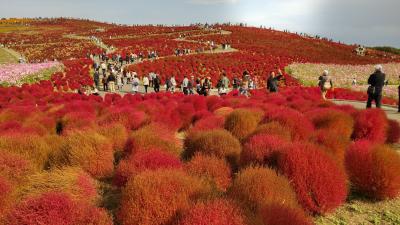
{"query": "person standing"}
[(173, 84), (104, 68), (96, 78), (111, 82), (185, 84), (376, 82), (224, 86), (272, 82), (135, 84), (156, 83), (146, 83), (325, 83), (191, 85), (120, 81)]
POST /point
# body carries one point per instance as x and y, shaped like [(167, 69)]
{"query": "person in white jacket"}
[(135, 84), (173, 83), (146, 83)]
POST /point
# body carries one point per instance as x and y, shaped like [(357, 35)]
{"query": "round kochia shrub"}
[(242, 122), (319, 182), (333, 121), (371, 125), (56, 209), (219, 143), (273, 128), (157, 197), (299, 126), (279, 214), (5, 196), (262, 149), (29, 147), (374, 170), (216, 212), (116, 134), (74, 181), (142, 161), (14, 168), (212, 169), (255, 187), (88, 150), (153, 136), (393, 133)]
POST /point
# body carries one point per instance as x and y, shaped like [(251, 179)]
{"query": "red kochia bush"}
[(262, 149), (318, 181), (393, 133), (209, 123), (371, 125), (279, 214), (374, 170), (219, 143), (300, 127), (255, 187), (157, 197), (5, 196), (216, 212), (332, 121), (144, 160), (212, 169), (56, 209), (242, 122)]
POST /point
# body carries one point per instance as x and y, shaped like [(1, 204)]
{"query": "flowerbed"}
[(12, 74), (166, 177)]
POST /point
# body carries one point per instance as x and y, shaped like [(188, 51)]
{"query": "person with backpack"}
[(376, 82), (325, 83), (135, 84)]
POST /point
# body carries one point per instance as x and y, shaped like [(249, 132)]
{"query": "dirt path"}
[(391, 111)]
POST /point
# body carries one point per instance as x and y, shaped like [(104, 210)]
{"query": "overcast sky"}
[(369, 22)]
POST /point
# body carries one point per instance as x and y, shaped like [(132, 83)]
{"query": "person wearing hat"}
[(376, 82), (325, 83)]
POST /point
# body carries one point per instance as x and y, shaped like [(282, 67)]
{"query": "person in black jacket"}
[(272, 82), (156, 84), (376, 82)]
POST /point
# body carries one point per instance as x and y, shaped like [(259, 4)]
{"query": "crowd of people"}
[(376, 82), (110, 75)]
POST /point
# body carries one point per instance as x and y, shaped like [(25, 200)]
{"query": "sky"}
[(367, 22)]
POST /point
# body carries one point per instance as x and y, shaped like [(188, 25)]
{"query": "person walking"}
[(185, 84), (376, 82), (135, 84), (173, 84), (325, 83), (104, 68), (224, 85), (146, 83), (191, 85), (272, 82), (104, 81), (96, 78), (111, 82), (120, 81), (156, 83)]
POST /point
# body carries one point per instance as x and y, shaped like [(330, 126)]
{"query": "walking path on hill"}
[(391, 111)]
